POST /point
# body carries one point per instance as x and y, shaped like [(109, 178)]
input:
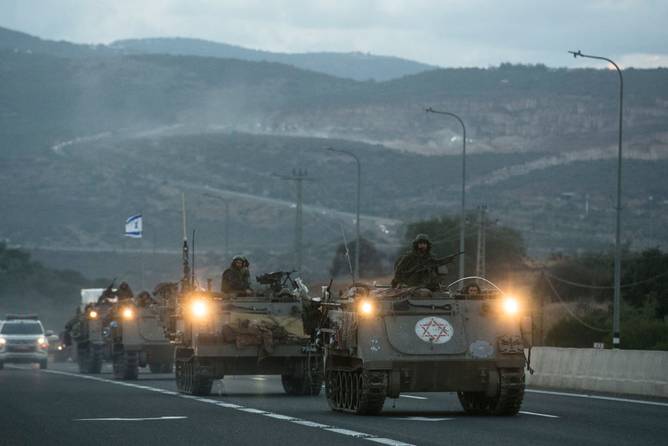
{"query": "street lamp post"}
[(618, 249), (356, 274), (462, 224)]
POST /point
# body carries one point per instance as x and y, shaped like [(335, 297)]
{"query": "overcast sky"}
[(441, 32)]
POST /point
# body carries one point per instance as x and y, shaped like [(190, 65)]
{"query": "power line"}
[(601, 287), (573, 315)]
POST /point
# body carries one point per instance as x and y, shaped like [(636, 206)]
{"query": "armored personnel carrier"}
[(221, 334), (380, 342), (84, 331), (134, 337)]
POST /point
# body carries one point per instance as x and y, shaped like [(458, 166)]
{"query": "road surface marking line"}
[(133, 419), (278, 416), (228, 405), (538, 414), (415, 397), (423, 419), (251, 410), (306, 423), (597, 397), (310, 424), (259, 378), (348, 432), (387, 441)]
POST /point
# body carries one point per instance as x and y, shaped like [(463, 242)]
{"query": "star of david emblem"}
[(434, 330)]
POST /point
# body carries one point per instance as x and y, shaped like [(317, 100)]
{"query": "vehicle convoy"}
[(380, 342), (22, 340), (124, 331), (260, 332)]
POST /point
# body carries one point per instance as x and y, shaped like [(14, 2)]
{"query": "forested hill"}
[(27, 286)]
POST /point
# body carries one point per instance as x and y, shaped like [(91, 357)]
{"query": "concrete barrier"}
[(633, 372)]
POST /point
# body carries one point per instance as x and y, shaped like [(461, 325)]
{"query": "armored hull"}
[(219, 335), (384, 342)]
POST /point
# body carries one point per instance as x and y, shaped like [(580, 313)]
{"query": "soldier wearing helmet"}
[(419, 268), (236, 278)]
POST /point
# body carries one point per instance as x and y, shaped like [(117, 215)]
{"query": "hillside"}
[(357, 66)]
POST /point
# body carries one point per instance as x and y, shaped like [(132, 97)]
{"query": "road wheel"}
[(126, 365), (43, 364), (308, 382), (356, 391), (190, 378), (507, 400)]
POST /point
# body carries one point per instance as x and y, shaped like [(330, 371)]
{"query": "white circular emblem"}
[(434, 330)]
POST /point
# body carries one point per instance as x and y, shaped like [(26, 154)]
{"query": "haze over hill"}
[(91, 134)]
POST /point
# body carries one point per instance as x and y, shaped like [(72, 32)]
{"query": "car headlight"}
[(128, 313), (510, 305), (42, 342), (199, 308), (366, 308), (92, 314), (3, 341)]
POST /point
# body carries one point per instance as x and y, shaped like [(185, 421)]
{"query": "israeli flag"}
[(133, 226)]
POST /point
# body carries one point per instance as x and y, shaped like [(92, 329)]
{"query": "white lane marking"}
[(423, 419), (259, 378), (310, 424), (251, 410), (306, 423), (415, 397), (132, 419), (387, 441), (348, 432), (598, 397), (278, 416), (546, 415)]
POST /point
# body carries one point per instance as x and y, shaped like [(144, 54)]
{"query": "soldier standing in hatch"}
[(236, 278), (419, 268)]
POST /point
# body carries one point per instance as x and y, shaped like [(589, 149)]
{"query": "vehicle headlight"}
[(42, 342), (92, 314), (510, 305), (60, 347), (199, 308), (366, 308), (128, 313), (3, 341)]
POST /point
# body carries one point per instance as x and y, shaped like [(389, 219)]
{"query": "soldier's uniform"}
[(235, 278), (417, 268), (124, 291)]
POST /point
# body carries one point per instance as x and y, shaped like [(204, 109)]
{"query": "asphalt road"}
[(60, 406)]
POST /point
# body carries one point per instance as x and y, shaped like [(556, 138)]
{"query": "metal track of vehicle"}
[(506, 402), (356, 391)]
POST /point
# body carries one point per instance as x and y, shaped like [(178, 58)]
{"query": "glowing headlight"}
[(42, 342), (511, 306), (60, 347), (92, 314), (3, 341), (199, 309), (366, 308), (128, 313)]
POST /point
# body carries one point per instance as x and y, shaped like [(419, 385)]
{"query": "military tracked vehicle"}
[(134, 337), (84, 332), (222, 334), (380, 342), (119, 331)]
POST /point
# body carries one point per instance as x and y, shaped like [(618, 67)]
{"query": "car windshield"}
[(21, 328)]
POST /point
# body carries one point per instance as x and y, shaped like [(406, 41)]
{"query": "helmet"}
[(235, 258), (421, 238)]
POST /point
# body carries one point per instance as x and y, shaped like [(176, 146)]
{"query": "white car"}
[(22, 340)]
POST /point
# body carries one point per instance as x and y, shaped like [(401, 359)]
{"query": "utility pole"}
[(481, 261), (298, 176), (618, 215)]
